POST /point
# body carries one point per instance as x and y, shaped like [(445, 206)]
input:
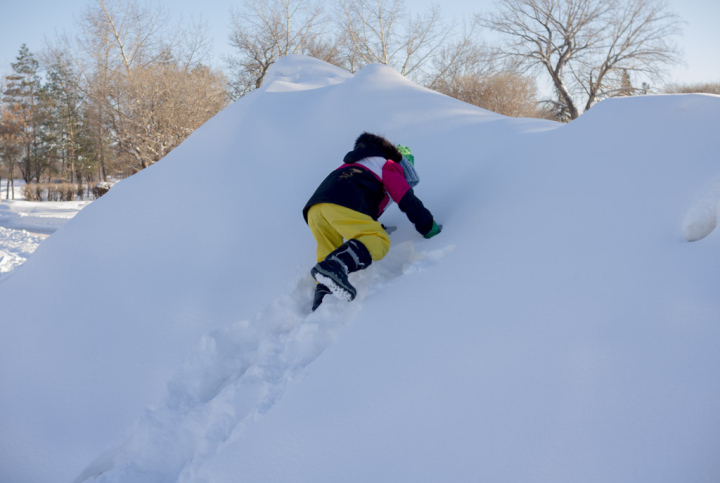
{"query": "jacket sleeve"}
[(416, 212), (401, 192)]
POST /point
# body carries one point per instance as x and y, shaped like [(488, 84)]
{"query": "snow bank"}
[(561, 328), (46, 217)]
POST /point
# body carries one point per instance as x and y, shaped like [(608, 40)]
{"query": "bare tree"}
[(160, 105), (586, 45), (464, 56), (138, 35), (383, 31), (143, 79), (473, 72), (265, 30), (366, 31), (508, 93), (461, 55)]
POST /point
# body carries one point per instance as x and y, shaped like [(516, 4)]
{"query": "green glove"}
[(405, 151), (434, 231)]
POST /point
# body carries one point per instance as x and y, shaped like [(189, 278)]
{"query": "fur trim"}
[(368, 140)]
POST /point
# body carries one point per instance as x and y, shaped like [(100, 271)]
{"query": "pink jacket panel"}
[(393, 178)]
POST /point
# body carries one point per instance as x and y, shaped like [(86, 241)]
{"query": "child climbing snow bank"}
[(347, 205)]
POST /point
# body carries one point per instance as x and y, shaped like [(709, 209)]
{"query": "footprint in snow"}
[(239, 372)]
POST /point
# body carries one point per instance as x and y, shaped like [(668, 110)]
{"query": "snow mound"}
[(702, 218), (297, 73), (560, 328)]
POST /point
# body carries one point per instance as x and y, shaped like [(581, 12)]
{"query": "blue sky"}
[(31, 21)]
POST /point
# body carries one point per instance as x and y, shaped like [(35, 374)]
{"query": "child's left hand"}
[(435, 230)]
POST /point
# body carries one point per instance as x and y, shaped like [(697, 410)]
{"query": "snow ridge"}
[(238, 374)]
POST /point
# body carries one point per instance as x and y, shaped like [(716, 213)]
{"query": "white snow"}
[(561, 327), (24, 225), (15, 247), (40, 217)]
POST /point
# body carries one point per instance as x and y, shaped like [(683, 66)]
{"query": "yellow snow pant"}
[(330, 224)]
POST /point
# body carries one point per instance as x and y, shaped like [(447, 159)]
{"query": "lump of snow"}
[(702, 218), (298, 73)]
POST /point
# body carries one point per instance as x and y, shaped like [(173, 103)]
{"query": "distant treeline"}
[(129, 84)]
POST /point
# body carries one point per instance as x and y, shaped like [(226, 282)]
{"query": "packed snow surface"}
[(39, 217), (563, 327), (15, 248), (24, 225)]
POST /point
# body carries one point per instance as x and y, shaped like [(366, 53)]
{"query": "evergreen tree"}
[(10, 143), (23, 93), (626, 87), (66, 132)]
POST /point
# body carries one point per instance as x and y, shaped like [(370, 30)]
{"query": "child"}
[(347, 205)]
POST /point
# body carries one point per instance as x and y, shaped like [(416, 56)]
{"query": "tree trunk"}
[(557, 77), (102, 164), (11, 182), (27, 172), (101, 145)]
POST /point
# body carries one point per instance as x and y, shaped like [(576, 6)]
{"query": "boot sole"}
[(338, 290)]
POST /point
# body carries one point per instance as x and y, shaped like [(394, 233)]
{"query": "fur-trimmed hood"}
[(369, 145)]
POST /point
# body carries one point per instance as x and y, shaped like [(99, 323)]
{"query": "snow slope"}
[(561, 328)]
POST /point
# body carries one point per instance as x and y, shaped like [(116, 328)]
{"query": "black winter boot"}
[(333, 272), (320, 292)]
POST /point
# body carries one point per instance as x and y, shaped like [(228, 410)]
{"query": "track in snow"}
[(238, 373), (16, 246)]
